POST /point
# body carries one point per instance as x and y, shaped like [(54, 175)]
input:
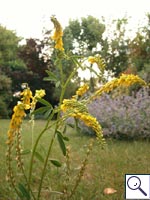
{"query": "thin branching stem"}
[(64, 86), (35, 146)]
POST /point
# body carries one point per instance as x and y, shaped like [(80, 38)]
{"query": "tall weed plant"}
[(22, 179)]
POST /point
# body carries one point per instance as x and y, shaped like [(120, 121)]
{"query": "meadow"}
[(106, 167)]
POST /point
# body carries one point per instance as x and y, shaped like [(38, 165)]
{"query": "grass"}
[(106, 167)]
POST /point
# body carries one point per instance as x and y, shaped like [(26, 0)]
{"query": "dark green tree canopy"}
[(9, 44), (84, 35)]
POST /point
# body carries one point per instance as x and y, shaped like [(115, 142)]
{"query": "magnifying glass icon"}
[(134, 183)]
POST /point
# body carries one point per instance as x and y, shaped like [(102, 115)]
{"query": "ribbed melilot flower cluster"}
[(26, 96), (92, 59), (92, 122), (82, 90), (98, 60), (58, 33), (125, 80), (19, 114), (16, 121), (26, 103), (38, 94), (73, 106), (78, 110)]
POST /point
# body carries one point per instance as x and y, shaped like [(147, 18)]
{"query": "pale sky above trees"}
[(28, 17)]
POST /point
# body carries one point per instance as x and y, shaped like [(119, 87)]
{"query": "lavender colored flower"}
[(124, 116)]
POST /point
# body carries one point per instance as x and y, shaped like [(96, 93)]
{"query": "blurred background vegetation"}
[(88, 36)]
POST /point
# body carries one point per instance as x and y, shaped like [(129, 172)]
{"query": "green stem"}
[(35, 146), (10, 171), (20, 162), (61, 74), (45, 165), (52, 140), (64, 86), (32, 131), (81, 172), (57, 125)]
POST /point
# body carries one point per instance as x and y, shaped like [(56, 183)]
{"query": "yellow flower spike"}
[(92, 59), (72, 105), (125, 80), (82, 90), (58, 33), (19, 114), (59, 44), (78, 110), (27, 96), (98, 60), (39, 93), (16, 121), (91, 121)]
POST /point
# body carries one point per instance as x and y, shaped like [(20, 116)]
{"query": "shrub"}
[(124, 116)]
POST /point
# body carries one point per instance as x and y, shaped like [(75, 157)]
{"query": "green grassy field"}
[(106, 167)]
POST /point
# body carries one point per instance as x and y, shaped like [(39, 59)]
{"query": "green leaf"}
[(56, 162), (51, 76), (47, 113), (63, 137), (26, 151), (64, 130), (42, 110), (44, 102), (39, 156), (71, 125), (48, 79), (57, 84), (24, 191), (92, 70), (61, 143)]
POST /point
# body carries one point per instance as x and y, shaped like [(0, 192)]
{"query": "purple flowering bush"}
[(124, 116)]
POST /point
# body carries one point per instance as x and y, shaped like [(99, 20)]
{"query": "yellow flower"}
[(72, 105), (78, 109), (16, 121), (82, 90), (27, 96), (19, 114), (39, 93), (92, 122), (98, 60), (92, 59), (125, 80), (58, 33), (59, 44)]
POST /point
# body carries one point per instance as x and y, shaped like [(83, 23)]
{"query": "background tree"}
[(140, 51), (117, 48), (5, 95), (84, 36), (9, 44), (36, 65), (9, 60)]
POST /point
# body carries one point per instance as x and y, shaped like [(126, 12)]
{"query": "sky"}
[(28, 17)]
